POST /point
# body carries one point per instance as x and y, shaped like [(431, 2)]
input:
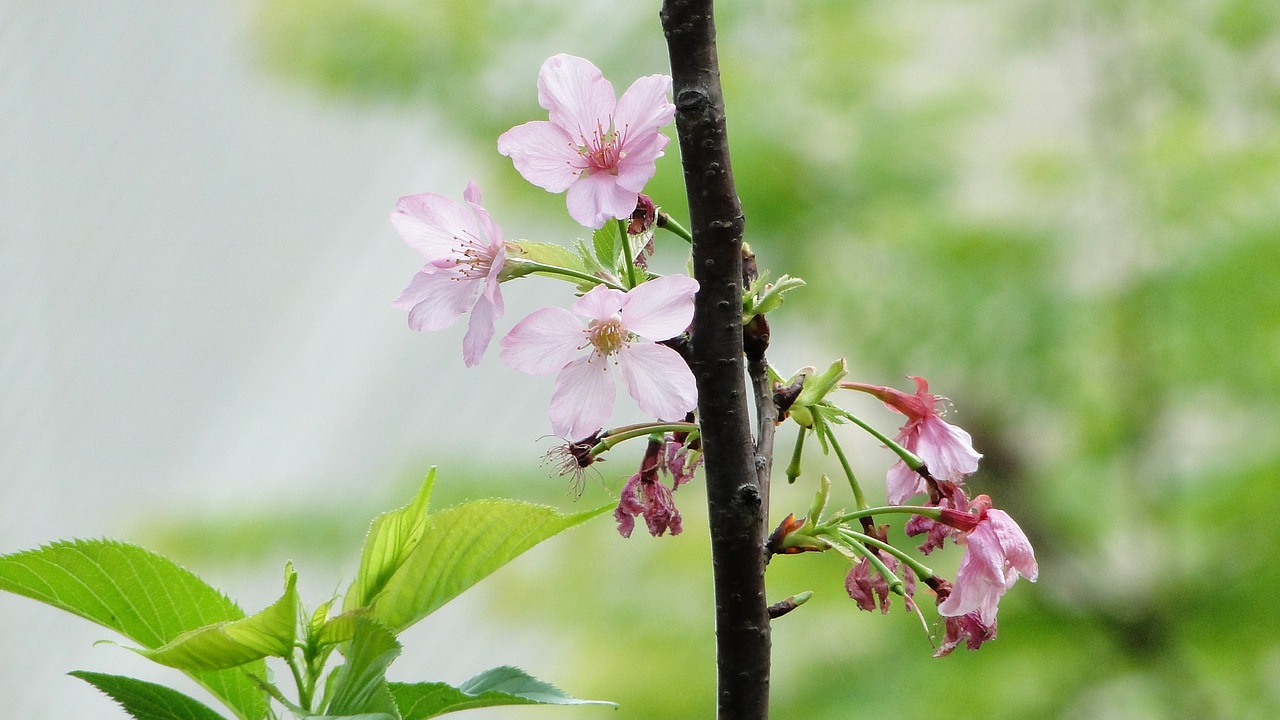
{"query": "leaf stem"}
[(921, 570), (858, 497), (629, 432), (933, 513), (666, 222), (566, 272), (626, 254), (912, 460)]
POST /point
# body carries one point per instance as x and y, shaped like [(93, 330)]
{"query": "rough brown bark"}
[(735, 496)]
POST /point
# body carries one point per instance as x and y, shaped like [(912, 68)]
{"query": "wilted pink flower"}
[(868, 588), (955, 514), (969, 628), (679, 460), (996, 554), (947, 451), (552, 340), (601, 149), (573, 458), (464, 253), (643, 217), (645, 495)]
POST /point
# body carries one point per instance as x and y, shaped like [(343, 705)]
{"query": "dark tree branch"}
[(755, 341), (735, 497)]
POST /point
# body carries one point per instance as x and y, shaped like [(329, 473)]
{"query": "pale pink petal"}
[(544, 342), (902, 482), (946, 450), (492, 233), (492, 282), (972, 593), (661, 308), (638, 162), (600, 303), (1017, 548), (544, 154), (436, 300), (431, 223), (644, 108), (980, 578), (596, 198), (480, 329), (471, 193), (576, 96), (659, 380), (582, 399)]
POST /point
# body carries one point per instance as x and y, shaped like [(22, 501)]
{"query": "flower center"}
[(472, 258), (601, 151), (607, 336)]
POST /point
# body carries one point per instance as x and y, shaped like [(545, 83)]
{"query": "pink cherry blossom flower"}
[(600, 149), (465, 254), (552, 340), (947, 451), (996, 554)]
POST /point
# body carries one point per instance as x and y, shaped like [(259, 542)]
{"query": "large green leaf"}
[(500, 686), (148, 701), (141, 595), (360, 685), (270, 633), (459, 547), (392, 536)]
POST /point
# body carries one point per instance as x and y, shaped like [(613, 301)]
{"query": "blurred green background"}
[(1065, 215)]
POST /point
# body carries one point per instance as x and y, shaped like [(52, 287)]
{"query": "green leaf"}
[(361, 716), (605, 242), (340, 628), (392, 536), (540, 252), (360, 685), (141, 595), (270, 633), (459, 547), (320, 617), (148, 701), (593, 267), (499, 686)]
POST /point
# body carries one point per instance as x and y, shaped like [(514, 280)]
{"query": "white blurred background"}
[(196, 275)]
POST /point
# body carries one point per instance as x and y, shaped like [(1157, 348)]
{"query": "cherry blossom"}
[(623, 330), (600, 149), (947, 451), (465, 253), (996, 554)]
